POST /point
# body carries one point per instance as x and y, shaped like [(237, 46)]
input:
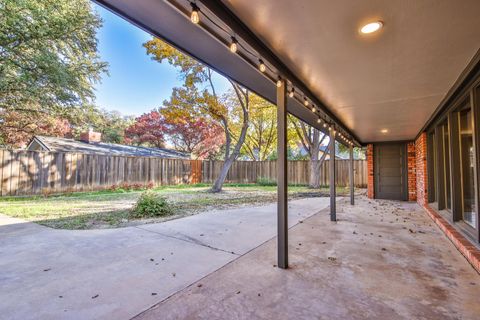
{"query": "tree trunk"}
[(314, 150), (217, 186), (315, 165), (244, 101)]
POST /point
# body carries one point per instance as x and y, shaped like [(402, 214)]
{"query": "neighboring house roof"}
[(55, 144)]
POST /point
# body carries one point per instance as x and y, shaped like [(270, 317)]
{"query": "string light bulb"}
[(195, 16), (279, 82), (233, 45), (319, 120), (313, 109), (291, 93), (262, 66), (325, 125), (305, 102)]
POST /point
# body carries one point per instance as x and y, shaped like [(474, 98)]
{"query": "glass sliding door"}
[(431, 167), (446, 155), (467, 167)]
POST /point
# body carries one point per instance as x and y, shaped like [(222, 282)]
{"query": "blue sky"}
[(135, 84)]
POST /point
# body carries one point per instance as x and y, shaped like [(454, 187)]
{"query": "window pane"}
[(446, 155), (468, 163), (432, 172)]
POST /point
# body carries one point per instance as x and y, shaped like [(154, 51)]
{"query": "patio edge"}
[(469, 251)]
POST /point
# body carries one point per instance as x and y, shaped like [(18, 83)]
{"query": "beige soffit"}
[(391, 80)]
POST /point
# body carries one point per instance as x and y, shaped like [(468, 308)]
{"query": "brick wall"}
[(371, 178), (412, 171), (421, 169)]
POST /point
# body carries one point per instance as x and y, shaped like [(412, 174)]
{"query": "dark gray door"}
[(390, 171)]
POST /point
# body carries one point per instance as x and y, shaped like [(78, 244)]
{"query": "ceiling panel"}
[(393, 79)]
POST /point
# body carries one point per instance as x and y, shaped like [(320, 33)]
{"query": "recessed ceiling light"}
[(372, 27), (384, 131)]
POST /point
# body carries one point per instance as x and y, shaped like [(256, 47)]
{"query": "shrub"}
[(125, 186), (266, 182), (151, 205)]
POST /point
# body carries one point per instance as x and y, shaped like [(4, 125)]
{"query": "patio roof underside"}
[(381, 87)]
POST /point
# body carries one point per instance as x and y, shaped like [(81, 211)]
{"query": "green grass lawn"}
[(110, 209)]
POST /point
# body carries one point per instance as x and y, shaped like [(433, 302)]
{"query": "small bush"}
[(266, 182), (124, 187), (151, 205)]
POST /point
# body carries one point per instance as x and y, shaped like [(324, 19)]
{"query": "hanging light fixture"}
[(279, 82), (291, 93), (195, 16), (233, 45), (262, 66)]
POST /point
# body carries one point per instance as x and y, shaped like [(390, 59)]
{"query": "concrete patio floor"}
[(118, 273), (381, 260)]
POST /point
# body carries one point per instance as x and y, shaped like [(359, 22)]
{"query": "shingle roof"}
[(55, 144)]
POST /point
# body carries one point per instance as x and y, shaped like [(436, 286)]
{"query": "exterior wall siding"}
[(421, 169), (370, 172)]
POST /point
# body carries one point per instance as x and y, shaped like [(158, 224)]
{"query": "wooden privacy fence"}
[(32, 172), (298, 172)]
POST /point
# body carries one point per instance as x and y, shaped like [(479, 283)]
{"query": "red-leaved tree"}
[(197, 136), (147, 129)]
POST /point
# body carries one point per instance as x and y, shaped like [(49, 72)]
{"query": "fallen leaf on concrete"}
[(199, 285), (238, 292), (47, 269), (95, 296), (384, 249), (174, 274), (332, 258), (151, 259), (154, 293)]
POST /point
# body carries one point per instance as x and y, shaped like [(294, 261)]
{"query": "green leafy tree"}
[(48, 57), (311, 139), (261, 137), (200, 95)]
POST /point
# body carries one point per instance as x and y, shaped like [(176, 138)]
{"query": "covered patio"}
[(381, 260), (401, 78)]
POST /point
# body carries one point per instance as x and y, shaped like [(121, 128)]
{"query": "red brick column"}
[(371, 178), (421, 169), (412, 171)]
